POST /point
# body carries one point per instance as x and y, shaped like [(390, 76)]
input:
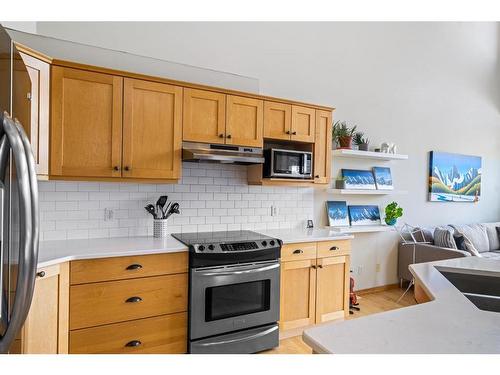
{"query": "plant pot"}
[(363, 147), (339, 184), (160, 228), (345, 142), (391, 221)]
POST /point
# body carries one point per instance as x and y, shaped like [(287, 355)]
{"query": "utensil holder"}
[(160, 228)]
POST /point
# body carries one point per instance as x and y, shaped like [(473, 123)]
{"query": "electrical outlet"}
[(109, 214), (377, 267), (274, 210), (359, 270)]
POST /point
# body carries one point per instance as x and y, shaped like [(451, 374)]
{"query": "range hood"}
[(225, 154)]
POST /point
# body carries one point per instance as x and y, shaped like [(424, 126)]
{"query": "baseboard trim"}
[(376, 289)]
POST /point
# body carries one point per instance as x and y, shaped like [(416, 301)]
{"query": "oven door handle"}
[(238, 271), (246, 338)]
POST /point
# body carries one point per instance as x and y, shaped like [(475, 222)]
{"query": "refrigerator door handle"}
[(27, 247)]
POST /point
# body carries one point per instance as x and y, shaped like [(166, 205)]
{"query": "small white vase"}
[(160, 228)]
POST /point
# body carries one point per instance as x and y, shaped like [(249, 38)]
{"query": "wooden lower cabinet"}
[(163, 334)]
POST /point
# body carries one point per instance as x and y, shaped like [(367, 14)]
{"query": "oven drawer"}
[(116, 301), (298, 251), (334, 248), (130, 267), (160, 335)]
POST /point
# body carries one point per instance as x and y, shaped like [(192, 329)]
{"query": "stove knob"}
[(264, 243), (272, 243), (211, 247), (201, 248)]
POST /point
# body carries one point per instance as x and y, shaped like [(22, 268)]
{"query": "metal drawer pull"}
[(41, 274), (133, 343), (298, 251), (134, 267), (313, 267), (320, 266), (134, 300), (334, 248)]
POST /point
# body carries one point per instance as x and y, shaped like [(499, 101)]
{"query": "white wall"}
[(424, 86)]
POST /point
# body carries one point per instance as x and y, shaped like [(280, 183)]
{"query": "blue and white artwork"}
[(358, 179), (383, 178), (454, 177), (337, 213), (364, 215)]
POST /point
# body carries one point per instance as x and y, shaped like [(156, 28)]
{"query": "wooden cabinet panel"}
[(86, 123), (160, 335), (277, 120), (204, 116), (152, 123), (104, 303), (333, 248), (303, 124), (131, 267), (332, 288), (244, 121), (323, 147), (298, 251), (297, 296)]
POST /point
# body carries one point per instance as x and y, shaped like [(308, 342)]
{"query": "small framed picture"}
[(383, 178), (358, 179), (337, 213), (364, 215)]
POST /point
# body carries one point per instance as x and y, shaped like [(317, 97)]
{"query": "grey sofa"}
[(485, 239)]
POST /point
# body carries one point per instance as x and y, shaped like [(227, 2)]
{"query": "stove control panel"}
[(235, 246)]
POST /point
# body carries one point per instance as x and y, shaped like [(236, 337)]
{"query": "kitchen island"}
[(449, 323)]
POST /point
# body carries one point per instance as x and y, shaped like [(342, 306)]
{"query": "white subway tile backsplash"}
[(211, 197)]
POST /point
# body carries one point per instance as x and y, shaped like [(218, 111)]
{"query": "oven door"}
[(291, 164), (230, 298)]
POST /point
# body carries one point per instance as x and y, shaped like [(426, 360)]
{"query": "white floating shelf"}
[(364, 192), (345, 153), (362, 229)]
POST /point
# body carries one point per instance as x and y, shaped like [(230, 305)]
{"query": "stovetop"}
[(204, 238)]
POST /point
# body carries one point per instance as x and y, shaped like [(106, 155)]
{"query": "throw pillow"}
[(476, 233), (460, 241), (469, 246), (443, 237), (498, 232)]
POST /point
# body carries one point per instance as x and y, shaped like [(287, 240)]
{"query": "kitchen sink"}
[(483, 291)]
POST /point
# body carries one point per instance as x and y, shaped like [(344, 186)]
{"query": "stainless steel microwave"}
[(287, 164)]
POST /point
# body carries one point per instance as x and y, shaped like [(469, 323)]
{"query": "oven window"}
[(287, 162), (231, 300)]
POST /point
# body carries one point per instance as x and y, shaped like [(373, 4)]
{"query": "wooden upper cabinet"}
[(277, 120), (244, 121), (86, 126), (152, 130), (332, 294), (303, 124), (323, 147), (204, 118)]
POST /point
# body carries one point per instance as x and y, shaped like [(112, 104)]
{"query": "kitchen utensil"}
[(165, 209), (159, 205), (174, 209), (151, 209)]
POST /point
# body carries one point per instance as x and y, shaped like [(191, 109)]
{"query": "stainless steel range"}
[(234, 290)]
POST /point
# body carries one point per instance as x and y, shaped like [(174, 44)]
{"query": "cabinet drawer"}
[(333, 248), (120, 268), (298, 251), (160, 335), (117, 301)]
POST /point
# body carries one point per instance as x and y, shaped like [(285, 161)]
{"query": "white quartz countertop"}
[(450, 323), (54, 252)]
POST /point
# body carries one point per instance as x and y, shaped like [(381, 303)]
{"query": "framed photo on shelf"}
[(383, 178), (358, 179), (337, 213), (364, 215)]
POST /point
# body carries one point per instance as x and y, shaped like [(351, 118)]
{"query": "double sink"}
[(482, 290)]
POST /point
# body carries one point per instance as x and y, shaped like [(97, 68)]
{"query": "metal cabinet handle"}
[(40, 274), (334, 248), (116, 168), (320, 266), (221, 135), (134, 300), (127, 168), (133, 344), (298, 251), (228, 136), (294, 133), (134, 267), (317, 176), (288, 132), (313, 267)]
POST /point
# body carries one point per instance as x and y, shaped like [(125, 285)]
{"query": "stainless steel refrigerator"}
[(19, 222)]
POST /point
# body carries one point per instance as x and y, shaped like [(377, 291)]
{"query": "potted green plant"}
[(392, 213), (342, 134), (361, 141), (340, 182)]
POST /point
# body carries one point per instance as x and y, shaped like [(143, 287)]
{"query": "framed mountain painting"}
[(337, 213), (383, 178), (358, 179), (454, 177), (364, 215)]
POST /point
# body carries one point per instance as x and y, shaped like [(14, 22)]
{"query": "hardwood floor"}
[(369, 304)]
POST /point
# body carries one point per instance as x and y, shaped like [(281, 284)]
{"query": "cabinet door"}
[(303, 124), (204, 118), (277, 120), (36, 122), (332, 288), (152, 128), (298, 294), (244, 121), (86, 127), (46, 328), (323, 147)]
